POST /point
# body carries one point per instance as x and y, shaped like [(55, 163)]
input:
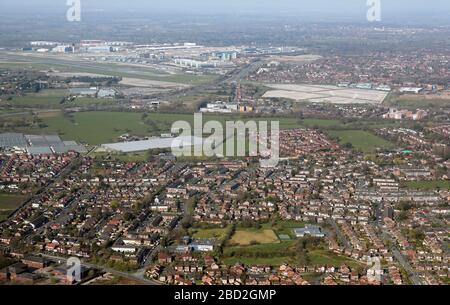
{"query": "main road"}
[(139, 276)]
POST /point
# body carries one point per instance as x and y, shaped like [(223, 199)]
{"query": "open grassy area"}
[(327, 258), (278, 253), (90, 101), (320, 123), (35, 101), (262, 250), (97, 127), (8, 203), (217, 233), (416, 101), (271, 261), (361, 140), (427, 185), (253, 236), (47, 98)]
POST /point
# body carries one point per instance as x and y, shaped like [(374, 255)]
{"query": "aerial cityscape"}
[(215, 145)]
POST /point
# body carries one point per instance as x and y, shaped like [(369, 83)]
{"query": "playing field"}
[(361, 140), (248, 237)]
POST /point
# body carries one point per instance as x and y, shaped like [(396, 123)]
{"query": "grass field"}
[(361, 140), (428, 185), (277, 254), (8, 203), (90, 101), (320, 123), (272, 261), (416, 101), (251, 236), (103, 127), (217, 233), (268, 250), (47, 98), (327, 258), (96, 127)]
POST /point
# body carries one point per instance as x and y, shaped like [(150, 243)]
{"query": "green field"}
[(283, 226), (327, 258), (8, 203), (217, 233), (427, 185), (96, 127), (419, 102), (258, 251), (278, 253), (320, 123), (361, 140), (47, 98), (103, 127), (271, 261), (252, 236), (90, 101)]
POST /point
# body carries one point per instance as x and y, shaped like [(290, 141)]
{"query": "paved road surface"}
[(138, 276)]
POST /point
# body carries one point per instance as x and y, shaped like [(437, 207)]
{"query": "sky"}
[(427, 10)]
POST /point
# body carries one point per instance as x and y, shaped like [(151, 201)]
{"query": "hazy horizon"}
[(321, 10)]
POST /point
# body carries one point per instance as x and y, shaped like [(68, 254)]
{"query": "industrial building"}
[(309, 230), (155, 143), (39, 144)]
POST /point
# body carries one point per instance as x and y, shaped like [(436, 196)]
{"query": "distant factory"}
[(38, 144), (153, 143)]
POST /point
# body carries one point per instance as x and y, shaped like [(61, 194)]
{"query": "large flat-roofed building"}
[(43, 140), (309, 230), (203, 244), (156, 143), (13, 140), (39, 144), (83, 91)]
